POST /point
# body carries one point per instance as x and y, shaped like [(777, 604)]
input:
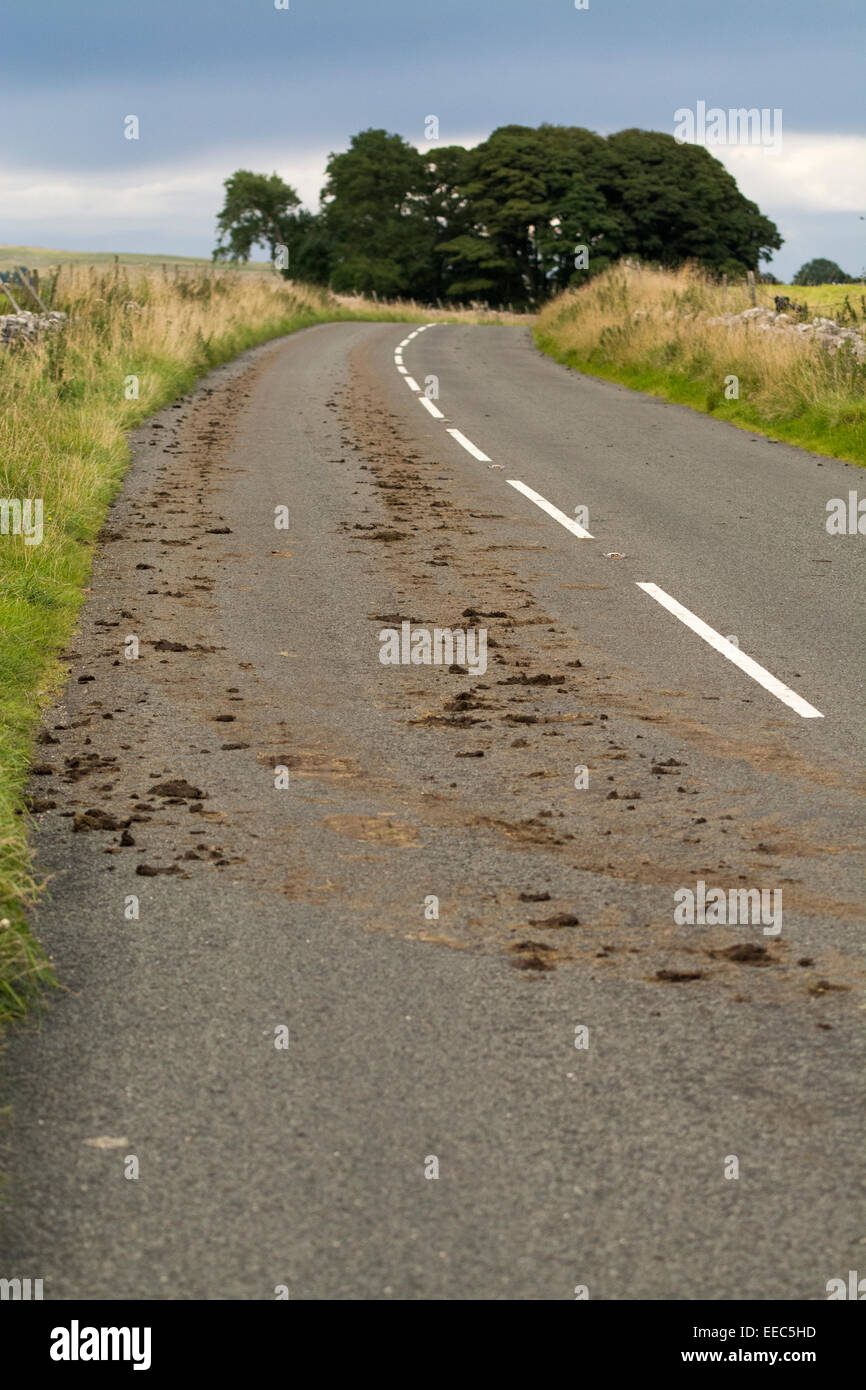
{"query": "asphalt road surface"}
[(376, 978)]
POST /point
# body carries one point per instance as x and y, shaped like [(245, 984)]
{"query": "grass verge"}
[(648, 329), (68, 402)]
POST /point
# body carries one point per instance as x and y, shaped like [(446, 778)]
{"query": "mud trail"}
[(665, 804)]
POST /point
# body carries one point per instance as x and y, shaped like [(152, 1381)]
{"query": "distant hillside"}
[(38, 257)]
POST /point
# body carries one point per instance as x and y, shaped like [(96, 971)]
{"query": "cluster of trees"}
[(822, 272), (503, 222)]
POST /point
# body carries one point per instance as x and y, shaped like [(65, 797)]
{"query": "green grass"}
[(822, 299)]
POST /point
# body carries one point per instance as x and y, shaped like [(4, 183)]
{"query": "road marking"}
[(469, 446), (758, 673), (715, 639), (542, 502)]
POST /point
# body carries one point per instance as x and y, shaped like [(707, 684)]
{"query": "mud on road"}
[(246, 822), (464, 786)]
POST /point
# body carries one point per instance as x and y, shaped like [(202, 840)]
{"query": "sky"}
[(218, 85)]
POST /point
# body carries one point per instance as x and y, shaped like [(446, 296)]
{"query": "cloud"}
[(811, 173), (180, 198), (147, 193)]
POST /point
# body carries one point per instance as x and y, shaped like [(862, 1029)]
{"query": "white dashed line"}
[(542, 502), (758, 673), (715, 639), (469, 446)]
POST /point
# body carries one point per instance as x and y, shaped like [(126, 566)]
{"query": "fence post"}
[(27, 285), (6, 289), (752, 295)]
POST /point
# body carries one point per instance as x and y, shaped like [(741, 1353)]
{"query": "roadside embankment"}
[(680, 335)]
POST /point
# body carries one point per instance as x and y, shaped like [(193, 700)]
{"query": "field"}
[(821, 299), (41, 257), (648, 329)]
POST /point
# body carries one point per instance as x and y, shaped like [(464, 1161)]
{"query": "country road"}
[(471, 945)]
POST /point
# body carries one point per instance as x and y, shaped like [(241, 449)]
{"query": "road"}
[(386, 925)]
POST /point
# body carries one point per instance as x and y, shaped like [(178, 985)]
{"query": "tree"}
[(521, 216), (527, 194), (821, 272), (446, 208), (373, 210), (258, 211), (579, 238), (679, 203), (311, 249), (534, 197), (507, 191)]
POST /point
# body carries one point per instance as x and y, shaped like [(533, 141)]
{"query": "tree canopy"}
[(519, 217), (257, 212), (820, 271)]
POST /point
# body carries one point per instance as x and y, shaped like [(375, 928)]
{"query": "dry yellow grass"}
[(410, 310), (648, 329)]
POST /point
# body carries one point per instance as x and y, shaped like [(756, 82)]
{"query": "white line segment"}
[(721, 644), (542, 502), (469, 446), (715, 639)]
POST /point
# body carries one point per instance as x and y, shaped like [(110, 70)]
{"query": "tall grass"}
[(648, 329)]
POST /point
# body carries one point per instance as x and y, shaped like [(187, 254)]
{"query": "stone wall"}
[(825, 331), (28, 326)]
